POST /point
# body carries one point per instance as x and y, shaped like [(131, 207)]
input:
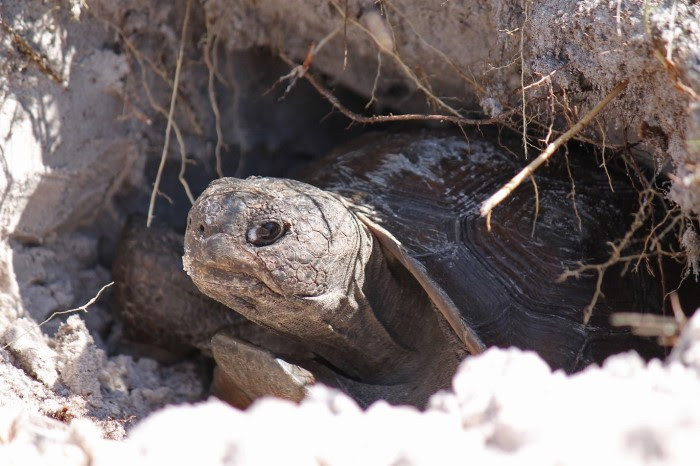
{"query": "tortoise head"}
[(296, 259), (269, 248)]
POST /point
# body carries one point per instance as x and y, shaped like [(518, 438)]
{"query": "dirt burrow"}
[(78, 157)]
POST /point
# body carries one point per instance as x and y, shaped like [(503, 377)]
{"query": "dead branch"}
[(357, 118), (666, 329)]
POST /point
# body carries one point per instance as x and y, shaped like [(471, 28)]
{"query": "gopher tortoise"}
[(379, 275)]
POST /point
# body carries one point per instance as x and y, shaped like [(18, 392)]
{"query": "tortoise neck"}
[(380, 330)]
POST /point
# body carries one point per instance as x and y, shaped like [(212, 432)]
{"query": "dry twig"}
[(82, 308)]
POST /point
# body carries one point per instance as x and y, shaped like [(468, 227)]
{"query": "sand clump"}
[(505, 407)]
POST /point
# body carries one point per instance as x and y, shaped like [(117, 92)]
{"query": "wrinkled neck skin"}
[(383, 329)]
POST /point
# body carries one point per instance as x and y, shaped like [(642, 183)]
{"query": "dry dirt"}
[(84, 94)]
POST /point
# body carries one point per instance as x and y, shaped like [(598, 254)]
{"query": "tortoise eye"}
[(265, 233)]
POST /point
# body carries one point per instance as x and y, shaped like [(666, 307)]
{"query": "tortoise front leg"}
[(246, 372)]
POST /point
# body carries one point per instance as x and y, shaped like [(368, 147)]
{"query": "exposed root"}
[(373, 97), (300, 71), (572, 193), (345, 35), (166, 143), (407, 71), (522, 80), (382, 35), (30, 54), (653, 245), (143, 61), (526, 172), (603, 165), (537, 206), (546, 78), (209, 47)]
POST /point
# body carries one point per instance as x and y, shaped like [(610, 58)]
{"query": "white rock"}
[(28, 345)]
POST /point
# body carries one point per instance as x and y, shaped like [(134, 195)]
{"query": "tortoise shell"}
[(505, 283)]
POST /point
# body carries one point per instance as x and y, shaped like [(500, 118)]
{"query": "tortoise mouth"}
[(221, 282), (210, 273)]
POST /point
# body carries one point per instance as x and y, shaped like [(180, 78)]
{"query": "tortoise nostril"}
[(201, 228)]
